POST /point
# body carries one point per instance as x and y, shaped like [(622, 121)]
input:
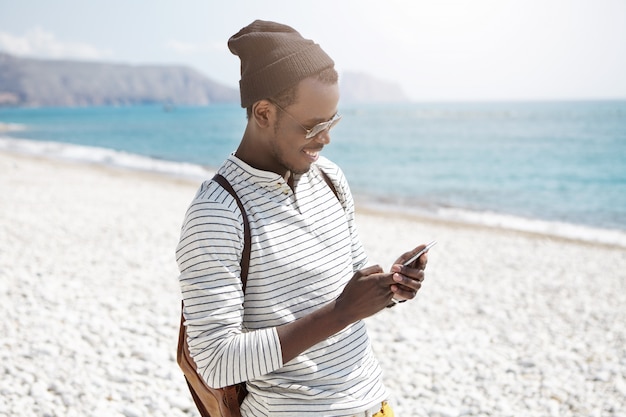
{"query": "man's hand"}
[(368, 292), (408, 279)]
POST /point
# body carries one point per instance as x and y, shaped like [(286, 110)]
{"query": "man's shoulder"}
[(211, 191), (324, 162), (337, 177), (331, 169), (211, 196)]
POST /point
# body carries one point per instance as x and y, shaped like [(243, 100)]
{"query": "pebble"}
[(89, 301)]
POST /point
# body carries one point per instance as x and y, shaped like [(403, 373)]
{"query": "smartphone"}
[(420, 253)]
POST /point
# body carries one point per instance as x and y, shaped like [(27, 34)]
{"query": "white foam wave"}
[(11, 127), (103, 156), (79, 153), (579, 232), (550, 228)]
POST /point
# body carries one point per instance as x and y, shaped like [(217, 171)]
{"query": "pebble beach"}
[(506, 324)]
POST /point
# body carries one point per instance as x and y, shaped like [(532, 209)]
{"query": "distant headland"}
[(31, 82)]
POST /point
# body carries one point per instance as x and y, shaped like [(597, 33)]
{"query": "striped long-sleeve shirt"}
[(304, 250)]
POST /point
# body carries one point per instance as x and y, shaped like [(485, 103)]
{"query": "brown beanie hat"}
[(274, 57)]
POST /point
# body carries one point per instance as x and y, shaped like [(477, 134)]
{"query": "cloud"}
[(40, 43)]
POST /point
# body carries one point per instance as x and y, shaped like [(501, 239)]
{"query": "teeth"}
[(311, 153)]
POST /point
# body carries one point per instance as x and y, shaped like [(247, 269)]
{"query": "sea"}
[(556, 168)]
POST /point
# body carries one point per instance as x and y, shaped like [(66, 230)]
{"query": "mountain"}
[(363, 88), (30, 82), (37, 82)]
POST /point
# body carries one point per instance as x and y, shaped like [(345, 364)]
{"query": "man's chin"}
[(301, 170)]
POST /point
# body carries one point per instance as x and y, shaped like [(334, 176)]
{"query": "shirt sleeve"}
[(208, 255)]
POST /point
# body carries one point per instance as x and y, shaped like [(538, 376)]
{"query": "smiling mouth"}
[(312, 153)]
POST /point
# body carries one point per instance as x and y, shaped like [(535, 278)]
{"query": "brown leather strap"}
[(329, 182), (223, 401), (245, 256)]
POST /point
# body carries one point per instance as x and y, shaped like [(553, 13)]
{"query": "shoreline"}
[(365, 208), (506, 323), (195, 174)]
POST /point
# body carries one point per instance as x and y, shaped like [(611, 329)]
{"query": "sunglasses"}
[(318, 128)]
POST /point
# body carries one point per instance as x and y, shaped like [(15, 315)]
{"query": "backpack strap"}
[(209, 401), (224, 401), (329, 182), (245, 256)]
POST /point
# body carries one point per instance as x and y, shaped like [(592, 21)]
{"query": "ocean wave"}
[(611, 237), (11, 127), (104, 156), (108, 157)]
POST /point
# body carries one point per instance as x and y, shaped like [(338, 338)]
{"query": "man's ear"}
[(263, 113)]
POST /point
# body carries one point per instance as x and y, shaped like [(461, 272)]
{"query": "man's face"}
[(316, 103)]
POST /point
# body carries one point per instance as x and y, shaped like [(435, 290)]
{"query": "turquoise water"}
[(552, 161)]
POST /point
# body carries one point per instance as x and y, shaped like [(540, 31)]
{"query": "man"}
[(297, 336)]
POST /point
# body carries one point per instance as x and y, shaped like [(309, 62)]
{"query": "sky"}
[(436, 50)]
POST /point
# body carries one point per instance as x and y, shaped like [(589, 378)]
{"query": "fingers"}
[(419, 263), (413, 281), (366, 293), (374, 269), (409, 271), (402, 283), (406, 282), (403, 293)]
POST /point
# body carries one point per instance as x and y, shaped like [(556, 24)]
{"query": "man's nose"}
[(323, 137)]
